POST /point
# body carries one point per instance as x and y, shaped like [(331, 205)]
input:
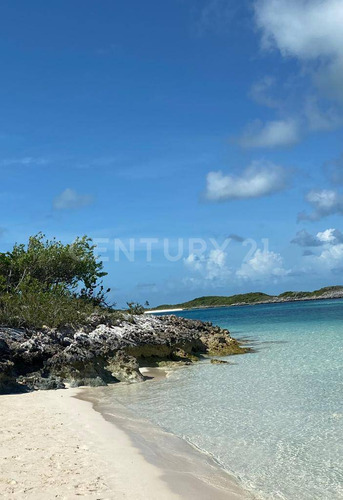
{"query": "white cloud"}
[(271, 134), (327, 237), (212, 266), (305, 239), (312, 116), (324, 202), (71, 200), (194, 262), (330, 236), (310, 31), (330, 258), (302, 28), (259, 179), (263, 265)]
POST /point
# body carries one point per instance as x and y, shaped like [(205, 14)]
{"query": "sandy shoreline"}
[(55, 445), (153, 311)]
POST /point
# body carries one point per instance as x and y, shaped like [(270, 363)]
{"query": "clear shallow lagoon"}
[(274, 418)]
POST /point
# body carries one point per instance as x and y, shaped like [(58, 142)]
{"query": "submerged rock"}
[(221, 345), (103, 353), (219, 362)]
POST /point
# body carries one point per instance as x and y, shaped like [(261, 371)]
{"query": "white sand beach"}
[(54, 445), (156, 311)]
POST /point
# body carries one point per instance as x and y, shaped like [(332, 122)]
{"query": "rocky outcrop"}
[(104, 353), (124, 368)]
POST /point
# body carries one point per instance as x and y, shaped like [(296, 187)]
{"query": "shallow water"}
[(273, 418)]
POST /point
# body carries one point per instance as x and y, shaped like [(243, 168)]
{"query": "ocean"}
[(272, 418)]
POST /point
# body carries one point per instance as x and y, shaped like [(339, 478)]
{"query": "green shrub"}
[(51, 263), (135, 308), (34, 308), (48, 283)]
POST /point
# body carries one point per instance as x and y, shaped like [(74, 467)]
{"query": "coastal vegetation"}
[(255, 298), (56, 327), (48, 283)]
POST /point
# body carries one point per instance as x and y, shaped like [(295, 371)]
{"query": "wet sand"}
[(76, 443)]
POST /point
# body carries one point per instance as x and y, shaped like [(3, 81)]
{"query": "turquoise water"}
[(273, 418)]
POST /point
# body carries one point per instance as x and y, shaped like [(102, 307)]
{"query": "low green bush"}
[(47, 283), (37, 308)]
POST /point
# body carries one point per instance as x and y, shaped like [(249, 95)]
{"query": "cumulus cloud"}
[(324, 202), (310, 31), (302, 28), (313, 115), (71, 200), (259, 179), (305, 239), (329, 236), (263, 265), (279, 133), (211, 266), (330, 258)]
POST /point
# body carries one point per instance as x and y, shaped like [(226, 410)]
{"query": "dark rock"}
[(35, 382), (219, 362), (4, 349), (103, 352)]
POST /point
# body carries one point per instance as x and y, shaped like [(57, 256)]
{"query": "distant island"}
[(329, 292)]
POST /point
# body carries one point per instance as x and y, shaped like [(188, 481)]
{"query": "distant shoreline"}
[(163, 310), (273, 300)]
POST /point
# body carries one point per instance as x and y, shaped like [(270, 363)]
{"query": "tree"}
[(135, 308), (50, 265)]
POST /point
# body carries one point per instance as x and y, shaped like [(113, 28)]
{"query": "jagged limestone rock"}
[(35, 382), (222, 345), (105, 353), (125, 368)]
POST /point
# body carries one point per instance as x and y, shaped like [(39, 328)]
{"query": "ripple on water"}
[(273, 418)]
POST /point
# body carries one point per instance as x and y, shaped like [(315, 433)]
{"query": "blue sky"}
[(191, 119)]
